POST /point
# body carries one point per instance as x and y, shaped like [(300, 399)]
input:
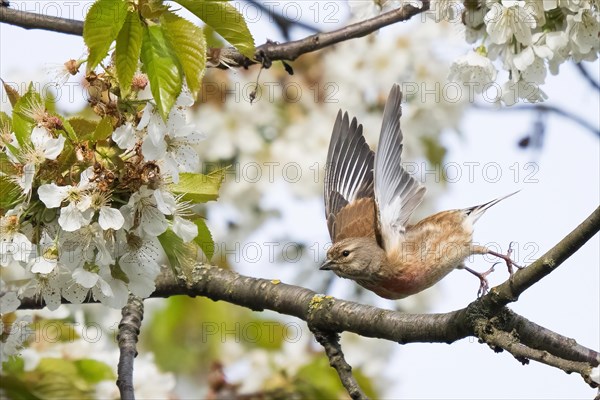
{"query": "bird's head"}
[(354, 258)]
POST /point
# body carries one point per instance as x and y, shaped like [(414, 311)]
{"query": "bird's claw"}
[(484, 285), (507, 258)]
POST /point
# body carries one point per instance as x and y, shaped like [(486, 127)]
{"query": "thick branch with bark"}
[(129, 329), (329, 314)]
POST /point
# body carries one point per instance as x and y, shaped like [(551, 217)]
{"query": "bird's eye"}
[(346, 253)]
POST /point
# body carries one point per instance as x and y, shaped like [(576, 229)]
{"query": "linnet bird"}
[(369, 198)]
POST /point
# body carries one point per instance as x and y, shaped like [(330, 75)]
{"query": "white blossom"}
[(473, 68), (46, 147), (502, 23), (583, 29), (17, 333), (14, 245), (142, 213), (125, 136), (9, 301), (182, 226), (46, 257), (139, 261), (77, 212), (171, 143)]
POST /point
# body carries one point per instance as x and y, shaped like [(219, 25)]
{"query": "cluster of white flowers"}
[(87, 227), (529, 38)]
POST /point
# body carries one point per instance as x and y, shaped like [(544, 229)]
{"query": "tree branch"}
[(331, 343), (129, 329), (326, 313), (545, 108), (230, 57), (509, 342), (536, 336), (29, 20), (587, 76)]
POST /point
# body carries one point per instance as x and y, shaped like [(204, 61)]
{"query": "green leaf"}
[(163, 69), (94, 371), (6, 166), (82, 126), (182, 256), (128, 48), (226, 20), (189, 45), (204, 240), (68, 128), (101, 27), (5, 122), (199, 188), (103, 130), (11, 92), (22, 122), (16, 389)]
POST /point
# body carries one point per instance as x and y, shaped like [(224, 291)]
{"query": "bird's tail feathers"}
[(477, 211)]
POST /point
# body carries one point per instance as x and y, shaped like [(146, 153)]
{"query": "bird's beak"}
[(326, 266)]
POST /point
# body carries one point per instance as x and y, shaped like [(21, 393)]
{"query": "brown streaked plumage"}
[(368, 200)]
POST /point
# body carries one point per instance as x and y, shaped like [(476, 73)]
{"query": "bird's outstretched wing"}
[(349, 196), (397, 194)]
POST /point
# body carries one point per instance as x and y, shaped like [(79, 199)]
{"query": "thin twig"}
[(331, 343), (509, 342), (29, 20), (129, 329), (545, 108), (538, 337), (587, 76), (230, 57)]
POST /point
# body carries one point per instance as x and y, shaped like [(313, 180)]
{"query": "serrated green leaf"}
[(101, 27), (204, 240), (128, 48), (189, 45), (226, 20), (68, 128), (103, 130), (83, 127), (22, 121), (11, 92), (163, 69), (199, 188)]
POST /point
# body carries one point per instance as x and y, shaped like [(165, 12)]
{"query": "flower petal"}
[(110, 218), (53, 147), (53, 195), (185, 229)]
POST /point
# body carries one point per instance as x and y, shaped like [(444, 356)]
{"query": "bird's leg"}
[(483, 282), (506, 257)]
